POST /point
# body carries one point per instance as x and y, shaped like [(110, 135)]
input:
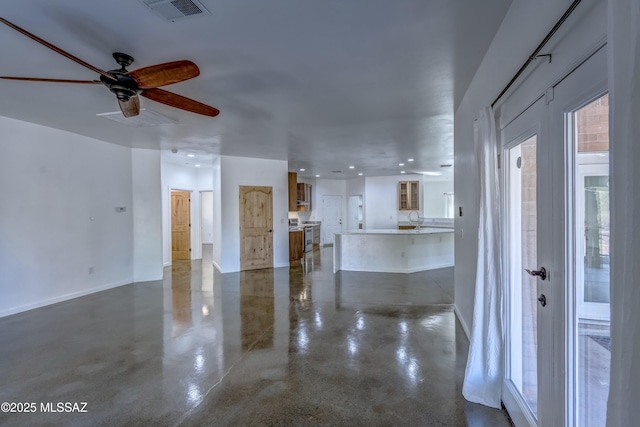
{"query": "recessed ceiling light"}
[(301, 169), (197, 166), (317, 176), (431, 173), (400, 164), (351, 167), (360, 173), (191, 155), (409, 160), (402, 172)]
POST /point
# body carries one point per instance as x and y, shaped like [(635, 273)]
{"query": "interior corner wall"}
[(435, 202), (524, 26), (147, 215), (60, 233), (216, 178), (244, 171)]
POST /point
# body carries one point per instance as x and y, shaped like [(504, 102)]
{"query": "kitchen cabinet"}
[(408, 195), (304, 197), (293, 191), (296, 245)]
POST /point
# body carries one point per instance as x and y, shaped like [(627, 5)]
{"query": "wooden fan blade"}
[(57, 49), (130, 108), (179, 101), (164, 74), (34, 79)]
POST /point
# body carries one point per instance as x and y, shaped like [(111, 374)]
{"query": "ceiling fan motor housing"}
[(124, 87)]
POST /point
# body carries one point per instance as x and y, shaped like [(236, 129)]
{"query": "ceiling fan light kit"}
[(127, 85)]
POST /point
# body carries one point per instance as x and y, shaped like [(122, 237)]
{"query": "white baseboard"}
[(215, 264), (465, 328), (65, 297), (166, 264), (148, 279), (399, 270), (207, 243)]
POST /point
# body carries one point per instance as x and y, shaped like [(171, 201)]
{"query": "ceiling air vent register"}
[(176, 10)]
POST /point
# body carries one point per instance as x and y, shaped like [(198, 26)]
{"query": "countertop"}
[(424, 230), (294, 229)]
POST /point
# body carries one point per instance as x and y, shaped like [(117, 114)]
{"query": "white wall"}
[(188, 178), (147, 215), (58, 216), (216, 180), (207, 216), (524, 26), (239, 171), (435, 203), (381, 201)]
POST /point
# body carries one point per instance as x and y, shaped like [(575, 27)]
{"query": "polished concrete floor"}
[(290, 347)]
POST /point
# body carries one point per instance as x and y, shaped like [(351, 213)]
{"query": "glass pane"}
[(596, 236), (593, 342), (523, 254)]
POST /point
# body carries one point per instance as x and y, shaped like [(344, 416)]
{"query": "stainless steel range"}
[(308, 238)]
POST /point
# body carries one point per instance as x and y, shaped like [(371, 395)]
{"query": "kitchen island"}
[(393, 251)]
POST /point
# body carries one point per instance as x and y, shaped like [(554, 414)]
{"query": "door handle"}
[(542, 272)]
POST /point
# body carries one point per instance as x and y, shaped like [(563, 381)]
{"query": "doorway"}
[(556, 252), (331, 218), (256, 227), (180, 225)]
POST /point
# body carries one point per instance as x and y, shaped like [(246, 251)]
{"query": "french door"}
[(556, 251)]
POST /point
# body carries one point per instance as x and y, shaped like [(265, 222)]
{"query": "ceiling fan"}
[(127, 85)]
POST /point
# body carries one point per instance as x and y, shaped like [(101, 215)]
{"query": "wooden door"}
[(256, 228), (180, 225)]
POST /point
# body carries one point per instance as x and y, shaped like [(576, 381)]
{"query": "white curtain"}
[(624, 99), (484, 372)]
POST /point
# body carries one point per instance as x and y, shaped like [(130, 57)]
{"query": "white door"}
[(355, 205), (555, 201), (331, 218), (579, 126), (527, 342)]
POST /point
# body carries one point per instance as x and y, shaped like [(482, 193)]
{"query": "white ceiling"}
[(322, 84)]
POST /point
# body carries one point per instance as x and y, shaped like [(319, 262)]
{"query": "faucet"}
[(417, 221)]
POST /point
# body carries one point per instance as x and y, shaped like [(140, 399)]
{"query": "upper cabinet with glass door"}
[(409, 195)]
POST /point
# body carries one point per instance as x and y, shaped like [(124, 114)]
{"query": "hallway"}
[(295, 346)]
